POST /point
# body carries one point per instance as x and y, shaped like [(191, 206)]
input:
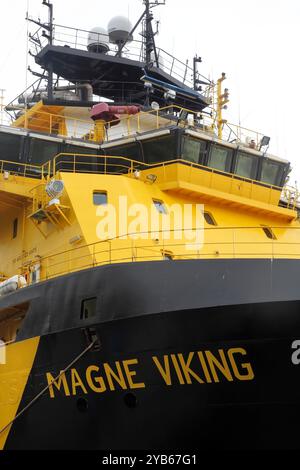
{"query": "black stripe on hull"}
[(129, 290), (262, 413)]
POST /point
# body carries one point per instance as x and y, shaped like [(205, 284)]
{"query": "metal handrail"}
[(47, 122), (106, 252), (53, 167), (135, 164)]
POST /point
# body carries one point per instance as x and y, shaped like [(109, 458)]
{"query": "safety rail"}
[(118, 165), (218, 242), (65, 125), (8, 168), (78, 39), (104, 164), (59, 125)]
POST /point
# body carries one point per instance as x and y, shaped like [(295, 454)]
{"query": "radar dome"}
[(119, 29), (98, 40)]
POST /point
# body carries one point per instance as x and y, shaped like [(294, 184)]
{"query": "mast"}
[(49, 36), (148, 34)]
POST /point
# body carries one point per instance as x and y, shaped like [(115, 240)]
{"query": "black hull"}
[(254, 405)]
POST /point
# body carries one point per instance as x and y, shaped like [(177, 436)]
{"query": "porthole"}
[(130, 400)]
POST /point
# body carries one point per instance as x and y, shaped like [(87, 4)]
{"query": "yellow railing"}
[(23, 169), (64, 125), (218, 242), (101, 164), (105, 164)]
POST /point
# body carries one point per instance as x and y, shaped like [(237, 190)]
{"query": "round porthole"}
[(130, 400), (82, 405)]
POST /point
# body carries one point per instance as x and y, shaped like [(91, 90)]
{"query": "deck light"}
[(264, 141), (151, 178)]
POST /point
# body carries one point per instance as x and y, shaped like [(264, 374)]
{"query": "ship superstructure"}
[(143, 308)]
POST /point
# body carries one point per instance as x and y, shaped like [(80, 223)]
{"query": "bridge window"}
[(160, 149), (99, 198), (194, 150), (131, 151), (271, 172), (41, 151), (246, 165), (88, 308), (11, 147), (160, 206), (220, 158)]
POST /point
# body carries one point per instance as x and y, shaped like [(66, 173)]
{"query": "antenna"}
[(148, 34), (48, 34), (1, 104)]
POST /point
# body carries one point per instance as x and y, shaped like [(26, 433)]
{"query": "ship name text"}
[(200, 367)]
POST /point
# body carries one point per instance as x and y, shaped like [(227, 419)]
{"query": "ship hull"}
[(224, 375)]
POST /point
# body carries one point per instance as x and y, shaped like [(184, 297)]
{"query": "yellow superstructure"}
[(43, 237)]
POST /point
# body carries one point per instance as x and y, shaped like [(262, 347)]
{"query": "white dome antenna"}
[(119, 30), (98, 40)]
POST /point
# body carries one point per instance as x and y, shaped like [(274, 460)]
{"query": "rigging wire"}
[(42, 392)]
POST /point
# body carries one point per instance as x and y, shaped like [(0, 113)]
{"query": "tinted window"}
[(100, 198), (83, 163), (160, 206), (220, 158), (246, 165), (77, 149), (271, 172), (209, 219), (131, 151), (88, 308), (269, 233), (159, 150), (10, 147), (41, 151), (194, 150)]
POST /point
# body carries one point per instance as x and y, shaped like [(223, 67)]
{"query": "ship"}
[(149, 256)]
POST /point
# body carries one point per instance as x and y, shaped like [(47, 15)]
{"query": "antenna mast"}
[(49, 35), (50, 28), (148, 33), (1, 105)]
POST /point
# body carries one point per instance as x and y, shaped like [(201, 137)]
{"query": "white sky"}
[(254, 41)]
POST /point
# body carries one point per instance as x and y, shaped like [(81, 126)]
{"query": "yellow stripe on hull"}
[(13, 379)]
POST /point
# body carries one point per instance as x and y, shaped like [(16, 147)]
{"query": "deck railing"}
[(218, 243), (65, 125), (116, 165)]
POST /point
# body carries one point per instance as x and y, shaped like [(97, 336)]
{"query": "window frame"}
[(213, 220), (202, 156), (82, 305), (228, 160), (254, 169), (269, 232), (161, 204), (98, 192), (283, 170)]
